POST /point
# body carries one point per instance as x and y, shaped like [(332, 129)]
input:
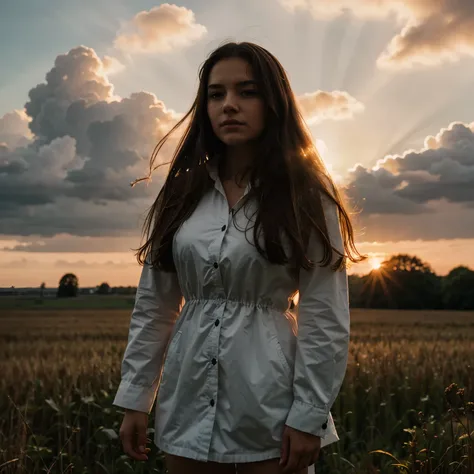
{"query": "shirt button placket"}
[(213, 366), (214, 360), (219, 286)]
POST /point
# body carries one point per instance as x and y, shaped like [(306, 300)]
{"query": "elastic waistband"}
[(261, 304)]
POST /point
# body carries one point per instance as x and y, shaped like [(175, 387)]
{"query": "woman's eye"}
[(250, 92), (215, 95)]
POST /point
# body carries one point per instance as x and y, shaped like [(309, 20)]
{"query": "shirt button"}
[(216, 264), (217, 322), (214, 361), (211, 402), (224, 227)]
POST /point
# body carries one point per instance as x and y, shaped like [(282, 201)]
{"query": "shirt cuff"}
[(134, 397), (308, 418)]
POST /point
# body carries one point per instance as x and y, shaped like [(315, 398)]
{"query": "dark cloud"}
[(443, 169), (83, 145), (422, 185), (375, 192), (66, 243), (77, 217)]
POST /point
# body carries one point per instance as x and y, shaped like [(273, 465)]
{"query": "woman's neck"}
[(235, 164)]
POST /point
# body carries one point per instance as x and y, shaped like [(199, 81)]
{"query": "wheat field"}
[(405, 405)]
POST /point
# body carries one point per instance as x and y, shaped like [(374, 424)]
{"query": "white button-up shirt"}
[(232, 366)]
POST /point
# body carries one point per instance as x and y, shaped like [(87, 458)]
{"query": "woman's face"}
[(233, 96)]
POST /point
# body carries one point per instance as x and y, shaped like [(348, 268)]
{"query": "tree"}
[(42, 287), (458, 289), (356, 284), (402, 282), (103, 289), (68, 286)]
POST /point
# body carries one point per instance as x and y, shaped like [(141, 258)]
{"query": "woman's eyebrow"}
[(239, 84)]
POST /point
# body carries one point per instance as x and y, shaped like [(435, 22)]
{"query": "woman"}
[(247, 219)]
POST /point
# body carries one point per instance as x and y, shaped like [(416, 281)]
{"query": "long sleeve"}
[(323, 335), (155, 311)]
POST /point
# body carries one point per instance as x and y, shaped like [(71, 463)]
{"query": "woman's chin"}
[(235, 140)]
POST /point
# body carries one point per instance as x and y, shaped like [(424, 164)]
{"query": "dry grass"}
[(60, 369)]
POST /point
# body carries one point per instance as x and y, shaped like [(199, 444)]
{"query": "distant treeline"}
[(401, 282), (405, 282)]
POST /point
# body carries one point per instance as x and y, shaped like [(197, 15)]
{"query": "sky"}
[(88, 88)]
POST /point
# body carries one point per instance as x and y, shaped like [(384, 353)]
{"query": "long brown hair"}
[(287, 179)]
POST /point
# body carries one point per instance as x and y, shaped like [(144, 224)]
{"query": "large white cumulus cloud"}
[(80, 143)]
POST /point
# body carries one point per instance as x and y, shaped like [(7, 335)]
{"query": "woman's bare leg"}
[(263, 467), (180, 465)]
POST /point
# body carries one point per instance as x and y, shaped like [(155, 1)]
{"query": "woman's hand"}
[(298, 450), (133, 434)]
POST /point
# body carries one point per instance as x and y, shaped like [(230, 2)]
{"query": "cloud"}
[(28, 263), (112, 65), (14, 131), (443, 170), (70, 156), (432, 31), (67, 160), (81, 264), (82, 148), (162, 29), (320, 105), (443, 220), (76, 217), (67, 243)]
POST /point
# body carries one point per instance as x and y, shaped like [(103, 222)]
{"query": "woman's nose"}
[(230, 103)]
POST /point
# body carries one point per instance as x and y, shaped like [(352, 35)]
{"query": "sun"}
[(375, 263)]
